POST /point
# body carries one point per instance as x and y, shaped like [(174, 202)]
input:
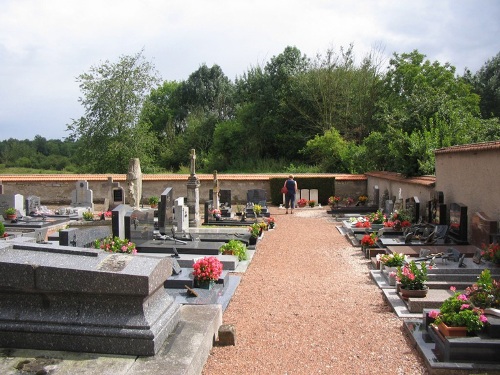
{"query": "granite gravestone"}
[(118, 220), (437, 209), (376, 196), (12, 200), (32, 204), (389, 207), (84, 300), (140, 225), (181, 216), (83, 237), (165, 211), (458, 223), (82, 196), (483, 228), (412, 204)]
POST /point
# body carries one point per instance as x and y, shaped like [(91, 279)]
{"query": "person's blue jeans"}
[(289, 201)]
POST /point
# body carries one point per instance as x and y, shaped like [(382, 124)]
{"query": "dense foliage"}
[(293, 114)]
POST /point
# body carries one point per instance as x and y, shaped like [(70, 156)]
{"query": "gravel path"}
[(307, 305)]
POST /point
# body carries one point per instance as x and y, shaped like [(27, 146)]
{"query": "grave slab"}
[(85, 300)]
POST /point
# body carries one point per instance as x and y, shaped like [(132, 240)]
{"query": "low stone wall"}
[(56, 189)]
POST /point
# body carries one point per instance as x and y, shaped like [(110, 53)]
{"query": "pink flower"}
[(462, 297), (483, 318), (433, 314), (465, 306), (453, 289)]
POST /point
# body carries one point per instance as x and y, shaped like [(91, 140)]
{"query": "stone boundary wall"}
[(56, 189), (421, 187)]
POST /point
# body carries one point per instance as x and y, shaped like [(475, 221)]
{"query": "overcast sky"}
[(46, 44)]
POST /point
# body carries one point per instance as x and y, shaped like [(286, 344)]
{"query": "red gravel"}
[(307, 305)]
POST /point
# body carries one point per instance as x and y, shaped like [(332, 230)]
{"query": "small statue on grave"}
[(134, 181)]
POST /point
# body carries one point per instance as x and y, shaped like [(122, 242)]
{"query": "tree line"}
[(328, 113)]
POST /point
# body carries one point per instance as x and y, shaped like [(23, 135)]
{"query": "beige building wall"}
[(470, 174)]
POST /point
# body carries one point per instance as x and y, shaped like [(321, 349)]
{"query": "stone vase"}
[(206, 284), (387, 271), (452, 331)]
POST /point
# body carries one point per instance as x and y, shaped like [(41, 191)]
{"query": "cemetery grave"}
[(167, 247)]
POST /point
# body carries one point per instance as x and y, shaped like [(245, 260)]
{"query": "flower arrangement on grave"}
[(216, 213), (369, 240), (403, 216), (458, 311), (392, 259), (271, 222), (348, 201), (10, 213), (362, 198), (115, 245), (88, 216), (153, 201), (302, 202), (311, 203), (257, 209), (234, 247), (377, 217), (362, 224), (254, 230), (334, 200), (484, 293), (207, 269), (491, 252), (412, 277)]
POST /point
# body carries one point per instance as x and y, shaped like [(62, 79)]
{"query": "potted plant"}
[(457, 316), (206, 272), (334, 200), (234, 247), (88, 216), (412, 279), (491, 252), (376, 219), (348, 201), (271, 222), (10, 213), (485, 293), (389, 264), (257, 209), (255, 231), (311, 203), (115, 245), (216, 213), (239, 210), (362, 199), (153, 201), (302, 202)]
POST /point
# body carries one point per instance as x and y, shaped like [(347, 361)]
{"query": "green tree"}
[(110, 132), (486, 83)]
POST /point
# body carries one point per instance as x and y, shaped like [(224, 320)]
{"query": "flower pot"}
[(452, 331), (410, 293), (376, 226), (12, 217), (208, 284), (252, 240)]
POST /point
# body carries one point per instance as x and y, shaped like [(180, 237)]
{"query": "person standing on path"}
[(291, 186)]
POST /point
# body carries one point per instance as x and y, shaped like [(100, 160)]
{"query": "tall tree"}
[(486, 83), (110, 132)]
